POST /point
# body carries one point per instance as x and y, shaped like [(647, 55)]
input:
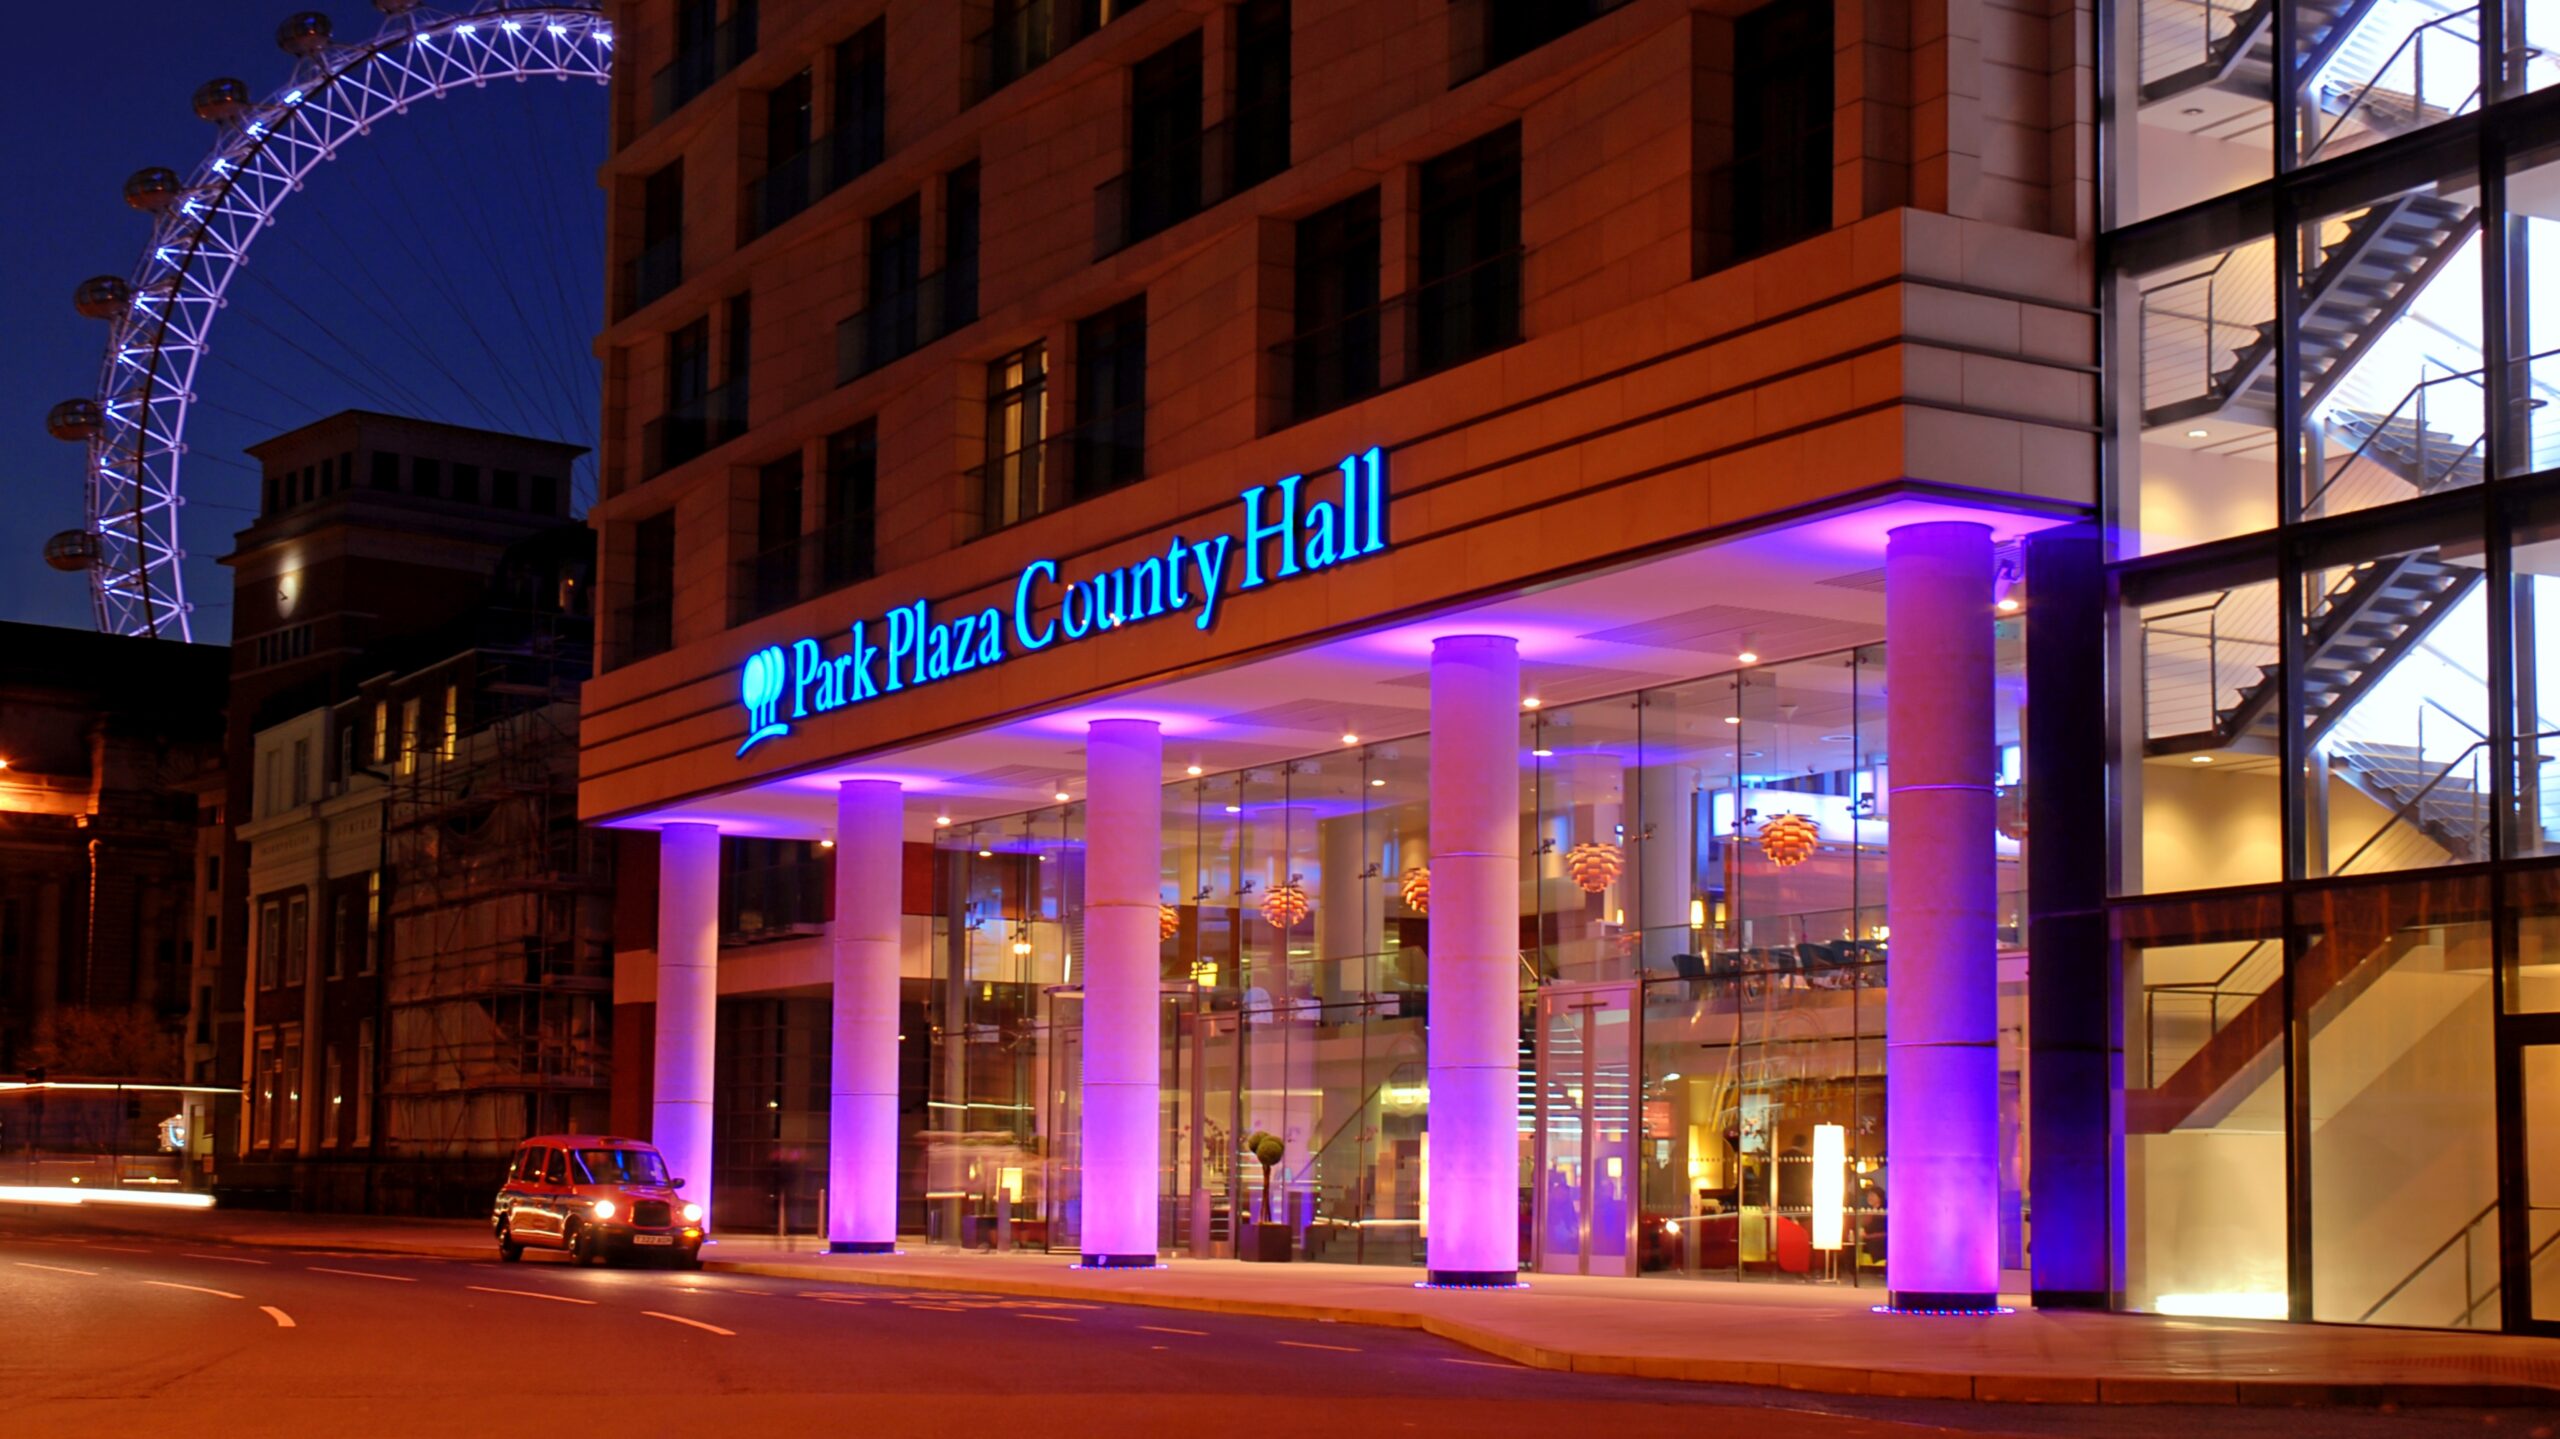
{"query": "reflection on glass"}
[(2198, 421), (2541, 1063), (2195, 104), (2199, 783), (2530, 443), (2372, 71)]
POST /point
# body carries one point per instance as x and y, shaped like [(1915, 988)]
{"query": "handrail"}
[(2417, 95), (2463, 1320), (2408, 809), (2416, 392), (2460, 1234)]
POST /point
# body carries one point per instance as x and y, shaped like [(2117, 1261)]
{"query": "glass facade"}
[(1702, 946), (2332, 499)]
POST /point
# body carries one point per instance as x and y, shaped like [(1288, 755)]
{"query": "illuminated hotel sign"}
[(1284, 532)]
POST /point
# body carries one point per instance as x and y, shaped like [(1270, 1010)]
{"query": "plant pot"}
[(1269, 1244)]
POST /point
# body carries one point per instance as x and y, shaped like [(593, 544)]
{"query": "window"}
[(381, 731), (1333, 357), (697, 417), (659, 265), (648, 617), (1488, 33), (504, 491), (452, 744), (546, 495), (333, 1099), (688, 363), (262, 1119), (301, 781), (297, 937), (960, 246), (706, 48), (1017, 420), (1015, 42), (790, 181), (851, 500), (555, 1167), (892, 322), (1258, 125), (346, 930), (1468, 299), (289, 1093), (860, 117), (212, 873), (1111, 399), (372, 922), (772, 578), (364, 1082), (466, 483), (1777, 190), (1162, 183), (386, 470), (270, 944), (426, 476), (410, 737)]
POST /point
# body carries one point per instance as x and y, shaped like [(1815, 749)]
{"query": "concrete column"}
[(1666, 862), (1475, 962), (1123, 855), (862, 1111), (1942, 1061), (688, 993)]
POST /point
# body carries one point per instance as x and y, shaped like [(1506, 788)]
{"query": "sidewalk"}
[(1823, 1340)]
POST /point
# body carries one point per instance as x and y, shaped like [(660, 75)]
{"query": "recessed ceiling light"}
[(1060, 796), (942, 819), (1543, 753), (1349, 738), (2195, 434), (1733, 719), (2008, 605), (1192, 770), (1532, 702), (1838, 738), (1748, 657), (2199, 759), (1235, 809), (986, 854), (826, 844), (1377, 784)]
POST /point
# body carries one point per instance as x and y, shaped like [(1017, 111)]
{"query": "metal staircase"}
[(2238, 54), (2361, 628), (2365, 281)]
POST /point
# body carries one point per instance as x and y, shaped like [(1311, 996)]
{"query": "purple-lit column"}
[(1474, 1041), (688, 994), (1123, 856), (862, 1111), (1942, 1061)]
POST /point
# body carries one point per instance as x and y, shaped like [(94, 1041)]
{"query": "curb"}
[(1800, 1378)]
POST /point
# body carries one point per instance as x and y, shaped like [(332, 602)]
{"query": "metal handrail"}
[(2418, 73), (2407, 810), (2417, 395)]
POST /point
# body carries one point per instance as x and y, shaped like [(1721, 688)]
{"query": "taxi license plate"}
[(653, 1239)]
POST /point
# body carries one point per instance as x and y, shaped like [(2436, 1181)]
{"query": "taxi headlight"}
[(693, 1214), (604, 1209)]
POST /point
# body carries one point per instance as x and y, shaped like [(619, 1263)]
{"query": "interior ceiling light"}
[(1192, 770), (986, 854), (1060, 796), (1349, 738), (2195, 434), (1749, 654), (1377, 784), (2200, 759), (1235, 809), (1532, 702), (1733, 719), (1543, 753), (942, 820)]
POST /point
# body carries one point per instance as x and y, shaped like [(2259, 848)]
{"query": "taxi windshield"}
[(622, 1166)]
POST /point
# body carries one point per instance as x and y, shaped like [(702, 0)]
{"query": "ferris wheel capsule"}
[(72, 550), (304, 33), (221, 101), (102, 297), (152, 189), (75, 420), (395, 7)]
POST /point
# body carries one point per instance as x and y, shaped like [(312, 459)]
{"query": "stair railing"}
[(2413, 46), (2473, 1269), (2194, 325), (2411, 811), (2179, 35), (2218, 642), (2229, 985), (2413, 407)]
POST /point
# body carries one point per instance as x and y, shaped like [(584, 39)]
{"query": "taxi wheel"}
[(584, 1248), (508, 1250)]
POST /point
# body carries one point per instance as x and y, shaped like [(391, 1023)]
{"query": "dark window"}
[(275, 492), (466, 483), (502, 489), (310, 483), (770, 886), (1333, 356), (1163, 180), (1017, 420), (689, 363), (426, 476), (546, 495), (1467, 301), (1110, 448), (1258, 124), (706, 49), (648, 618), (852, 497), (1778, 188), (347, 471), (1092, 15), (1015, 42), (773, 574), (660, 264), (861, 109), (1496, 32), (790, 182), (741, 342), (697, 417), (897, 257), (960, 245), (386, 470)]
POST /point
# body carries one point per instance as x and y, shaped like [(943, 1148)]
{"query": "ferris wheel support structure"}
[(134, 429)]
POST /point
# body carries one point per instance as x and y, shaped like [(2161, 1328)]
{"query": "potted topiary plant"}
[(1271, 1238)]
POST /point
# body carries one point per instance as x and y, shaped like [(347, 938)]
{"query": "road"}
[(137, 1328)]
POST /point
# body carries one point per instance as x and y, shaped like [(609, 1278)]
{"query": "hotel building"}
[(1501, 637)]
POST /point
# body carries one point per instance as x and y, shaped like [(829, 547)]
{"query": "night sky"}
[(448, 265)]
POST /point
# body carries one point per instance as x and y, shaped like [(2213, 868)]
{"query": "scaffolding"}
[(499, 911)]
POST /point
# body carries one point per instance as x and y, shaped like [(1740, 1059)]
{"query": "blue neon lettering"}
[(1022, 608), (805, 664), (1210, 558), (902, 642), (1284, 529)]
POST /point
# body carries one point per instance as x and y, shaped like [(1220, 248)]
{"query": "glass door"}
[(2537, 1251), (1586, 1128)]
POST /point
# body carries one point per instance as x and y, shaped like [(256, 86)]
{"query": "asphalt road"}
[(130, 1329)]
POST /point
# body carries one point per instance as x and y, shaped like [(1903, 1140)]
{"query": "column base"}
[(1936, 1301), (862, 1246), (1474, 1279), (2075, 1299), (1116, 1261)]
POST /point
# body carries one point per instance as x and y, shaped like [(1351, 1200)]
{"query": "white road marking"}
[(195, 1289), (361, 1274), (1052, 1318), (940, 1308), (57, 1268), (282, 1319), (530, 1294), (119, 1249), (1484, 1364), (1336, 1348), (1160, 1329), (695, 1323), (221, 1258)]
